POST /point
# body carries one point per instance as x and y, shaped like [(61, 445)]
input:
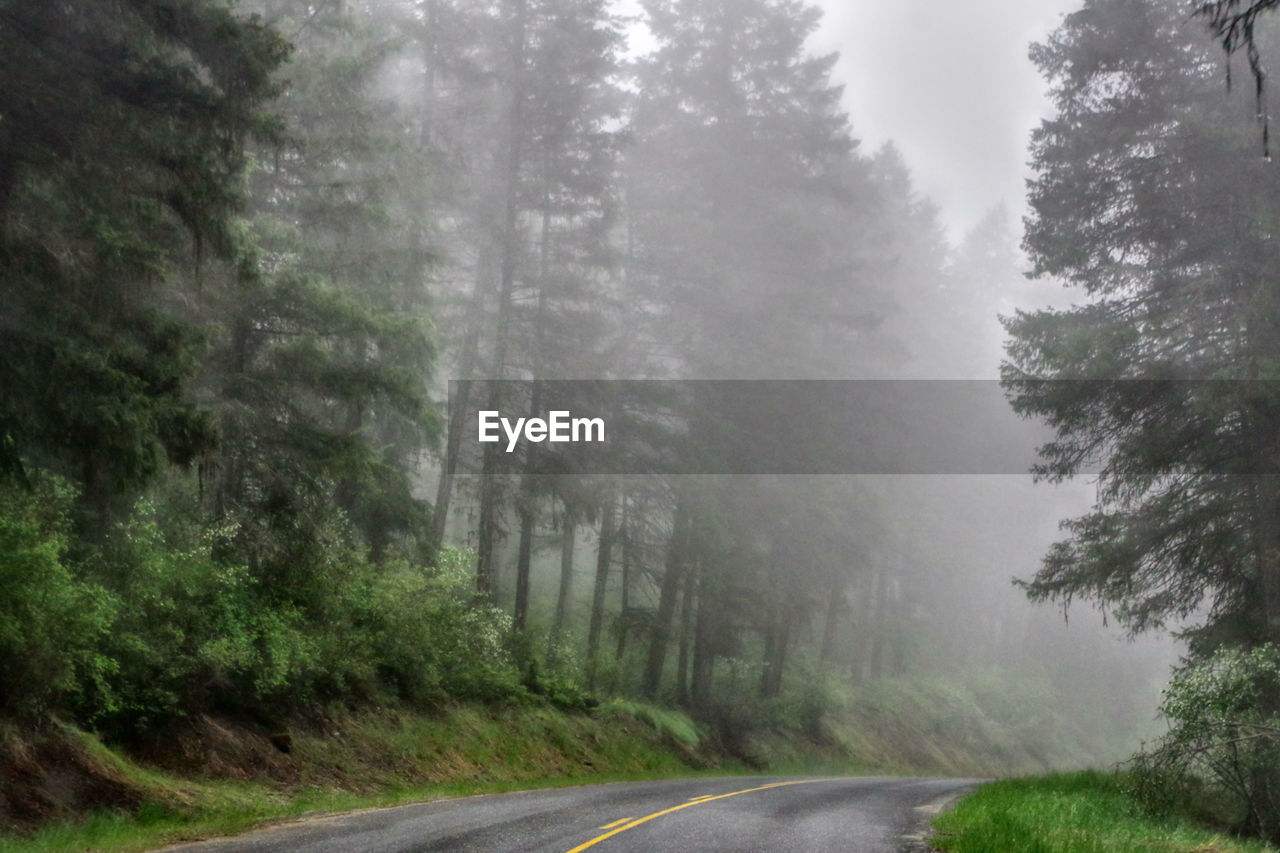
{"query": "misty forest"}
[(249, 247)]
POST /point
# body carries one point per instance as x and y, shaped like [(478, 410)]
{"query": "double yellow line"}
[(697, 801)]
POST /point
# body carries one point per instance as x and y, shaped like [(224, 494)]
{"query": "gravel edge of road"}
[(917, 840)]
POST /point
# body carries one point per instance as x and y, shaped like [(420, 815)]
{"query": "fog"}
[(941, 104), (952, 86), (264, 279)]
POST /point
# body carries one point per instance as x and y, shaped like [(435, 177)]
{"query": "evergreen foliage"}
[(1147, 198)]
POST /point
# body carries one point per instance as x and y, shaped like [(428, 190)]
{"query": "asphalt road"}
[(740, 814)]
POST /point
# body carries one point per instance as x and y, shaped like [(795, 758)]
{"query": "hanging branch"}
[(1232, 23)]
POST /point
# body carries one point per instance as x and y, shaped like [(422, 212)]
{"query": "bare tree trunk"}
[(430, 65), (461, 400), (524, 560), (877, 625), (867, 628), (459, 406), (528, 484), (687, 601), (487, 535), (528, 519), (774, 622), (604, 556), (487, 525), (702, 670), (830, 628), (567, 544), (663, 619), (625, 603), (770, 647), (781, 646)]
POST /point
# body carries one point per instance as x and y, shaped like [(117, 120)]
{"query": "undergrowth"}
[(1088, 812)]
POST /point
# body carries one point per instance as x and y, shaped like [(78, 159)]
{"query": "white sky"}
[(949, 82)]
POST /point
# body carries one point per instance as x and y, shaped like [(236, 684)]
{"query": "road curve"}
[(739, 814)]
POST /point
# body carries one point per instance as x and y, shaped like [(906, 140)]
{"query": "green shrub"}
[(432, 639), (169, 615), (199, 632), (51, 620), (1223, 745), (192, 630)]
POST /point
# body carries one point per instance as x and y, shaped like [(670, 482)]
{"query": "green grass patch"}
[(237, 807), (674, 724), (386, 759), (1086, 812)]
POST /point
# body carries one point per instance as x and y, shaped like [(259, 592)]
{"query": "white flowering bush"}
[(1223, 744), (434, 638)]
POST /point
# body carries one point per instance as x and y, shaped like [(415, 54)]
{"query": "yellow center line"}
[(709, 798), (615, 823)]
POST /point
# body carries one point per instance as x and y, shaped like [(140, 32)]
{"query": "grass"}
[(1086, 812), (395, 758), (230, 808), (674, 724), (385, 760)]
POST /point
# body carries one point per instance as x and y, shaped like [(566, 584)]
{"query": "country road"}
[(740, 814)]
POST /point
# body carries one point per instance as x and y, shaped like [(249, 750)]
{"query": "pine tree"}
[(751, 227), (740, 167), (122, 157), (322, 362), (1147, 199)]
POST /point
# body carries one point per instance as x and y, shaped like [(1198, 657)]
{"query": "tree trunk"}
[(663, 619), (528, 520), (604, 556), (867, 628), (703, 663), (524, 561), (625, 603), (782, 644), (770, 647), (568, 542), (459, 407), (528, 483), (487, 535), (774, 623), (877, 625), (835, 606), (430, 64), (687, 600), (487, 526)]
